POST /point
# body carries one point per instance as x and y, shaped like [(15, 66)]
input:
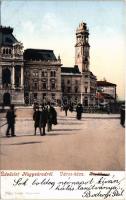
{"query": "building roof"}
[(6, 36), (39, 54), (104, 84), (104, 95), (70, 70), (91, 74)]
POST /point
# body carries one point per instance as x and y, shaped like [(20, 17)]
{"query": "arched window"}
[(6, 51), (9, 51), (53, 73), (44, 73)]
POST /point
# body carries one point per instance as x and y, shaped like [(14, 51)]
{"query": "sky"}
[(52, 25)]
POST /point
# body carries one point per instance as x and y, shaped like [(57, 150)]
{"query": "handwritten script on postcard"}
[(71, 184)]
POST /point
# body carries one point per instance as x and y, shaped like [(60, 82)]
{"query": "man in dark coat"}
[(66, 107), (36, 118), (43, 119), (79, 111), (52, 117), (10, 116)]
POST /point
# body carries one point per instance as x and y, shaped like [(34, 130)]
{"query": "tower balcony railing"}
[(11, 56)]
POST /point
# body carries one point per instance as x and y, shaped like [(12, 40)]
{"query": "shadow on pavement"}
[(57, 134), (22, 143), (66, 129), (71, 123), (16, 136)]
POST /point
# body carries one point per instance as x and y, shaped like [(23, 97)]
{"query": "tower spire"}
[(82, 47)]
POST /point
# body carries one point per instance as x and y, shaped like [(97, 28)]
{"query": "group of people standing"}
[(70, 107), (44, 115)]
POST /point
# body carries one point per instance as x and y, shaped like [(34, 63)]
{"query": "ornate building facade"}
[(11, 68), (42, 76), (37, 75)]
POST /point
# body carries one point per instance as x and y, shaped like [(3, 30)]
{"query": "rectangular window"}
[(35, 85), (44, 86), (53, 86), (43, 74), (85, 89), (63, 88), (76, 89), (69, 89)]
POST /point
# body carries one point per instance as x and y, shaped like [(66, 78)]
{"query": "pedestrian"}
[(65, 107), (52, 117), (108, 108), (10, 116), (36, 118), (79, 110), (71, 107), (43, 119), (122, 115)]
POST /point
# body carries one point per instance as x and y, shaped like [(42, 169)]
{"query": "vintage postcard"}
[(62, 99)]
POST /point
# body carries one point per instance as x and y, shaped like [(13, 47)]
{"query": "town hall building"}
[(36, 75)]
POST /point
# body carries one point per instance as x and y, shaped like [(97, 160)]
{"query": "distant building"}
[(71, 84), (106, 91), (11, 68)]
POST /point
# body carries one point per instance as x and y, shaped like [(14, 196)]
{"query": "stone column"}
[(22, 76), (0, 76), (13, 76)]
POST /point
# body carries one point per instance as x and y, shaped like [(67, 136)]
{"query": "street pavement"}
[(96, 142)]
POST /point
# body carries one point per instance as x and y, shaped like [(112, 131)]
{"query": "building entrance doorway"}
[(6, 99)]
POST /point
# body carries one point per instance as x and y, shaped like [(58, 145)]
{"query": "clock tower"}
[(82, 48)]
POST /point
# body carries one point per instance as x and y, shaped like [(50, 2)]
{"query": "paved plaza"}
[(97, 142)]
